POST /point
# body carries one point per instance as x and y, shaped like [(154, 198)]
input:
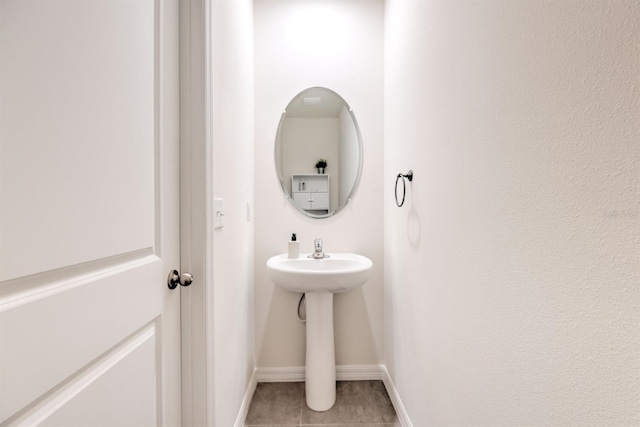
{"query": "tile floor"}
[(358, 404)]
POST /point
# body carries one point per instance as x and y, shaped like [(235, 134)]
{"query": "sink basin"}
[(319, 279), (338, 273)]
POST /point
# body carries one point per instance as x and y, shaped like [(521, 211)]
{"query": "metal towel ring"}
[(409, 176)]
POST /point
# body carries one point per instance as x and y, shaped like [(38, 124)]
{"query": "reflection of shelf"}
[(311, 192)]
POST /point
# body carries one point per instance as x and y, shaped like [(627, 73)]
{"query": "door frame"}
[(196, 212)]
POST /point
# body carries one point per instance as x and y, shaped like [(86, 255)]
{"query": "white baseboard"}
[(246, 401), (287, 374), (343, 373), (359, 372), (401, 412)]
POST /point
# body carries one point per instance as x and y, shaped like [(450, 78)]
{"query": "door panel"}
[(77, 92), (48, 339), (89, 214), (134, 408), (95, 395)]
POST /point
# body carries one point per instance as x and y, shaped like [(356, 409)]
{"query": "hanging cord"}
[(409, 176), (302, 298)]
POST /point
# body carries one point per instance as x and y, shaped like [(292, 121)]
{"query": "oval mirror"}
[(318, 152)]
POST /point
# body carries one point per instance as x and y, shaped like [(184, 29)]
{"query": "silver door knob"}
[(175, 279)]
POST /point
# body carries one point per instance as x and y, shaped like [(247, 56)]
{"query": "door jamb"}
[(196, 196)]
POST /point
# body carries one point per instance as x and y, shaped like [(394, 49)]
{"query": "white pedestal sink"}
[(319, 279)]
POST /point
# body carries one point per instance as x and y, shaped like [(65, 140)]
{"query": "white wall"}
[(232, 127), (511, 274), (336, 44)]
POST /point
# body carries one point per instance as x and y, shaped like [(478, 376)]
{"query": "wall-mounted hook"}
[(409, 176)]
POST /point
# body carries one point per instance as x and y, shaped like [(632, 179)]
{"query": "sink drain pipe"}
[(300, 319)]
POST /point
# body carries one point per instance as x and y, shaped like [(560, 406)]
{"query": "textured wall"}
[(511, 274), (301, 44)]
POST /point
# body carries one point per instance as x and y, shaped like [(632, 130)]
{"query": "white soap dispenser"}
[(294, 247)]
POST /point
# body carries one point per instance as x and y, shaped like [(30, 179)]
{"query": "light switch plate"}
[(218, 213)]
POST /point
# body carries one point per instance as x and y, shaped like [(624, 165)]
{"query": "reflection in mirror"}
[(318, 152)]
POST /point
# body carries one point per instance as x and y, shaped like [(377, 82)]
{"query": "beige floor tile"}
[(276, 404), (358, 404)]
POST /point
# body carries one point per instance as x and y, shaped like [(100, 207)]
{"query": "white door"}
[(89, 213)]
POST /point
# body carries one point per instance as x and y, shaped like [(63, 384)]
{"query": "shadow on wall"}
[(350, 307), (286, 346), (414, 227)]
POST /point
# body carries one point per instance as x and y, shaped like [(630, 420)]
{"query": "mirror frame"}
[(360, 156)]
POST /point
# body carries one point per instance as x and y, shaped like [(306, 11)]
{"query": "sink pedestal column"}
[(320, 370)]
